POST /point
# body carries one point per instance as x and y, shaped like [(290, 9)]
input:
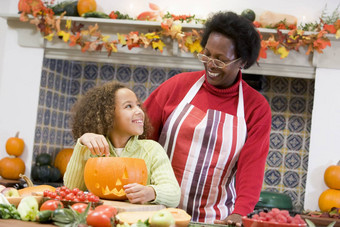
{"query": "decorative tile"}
[(64, 85), (278, 122), (61, 106), (276, 141), (107, 72), (279, 104), (44, 138), (54, 118), (140, 91), (70, 102), (60, 120), (66, 68), (90, 72), (292, 161), (43, 80), (53, 64), (68, 139), (272, 177), (52, 136), (173, 72), (55, 101), (67, 119), (293, 195), (59, 66), (37, 134), (140, 75), (57, 82), (298, 87), (291, 179), (274, 159), (76, 70), (47, 117), (41, 97), (266, 85), (280, 85), (74, 87), (158, 76), (294, 142), (297, 105), (50, 80), (296, 124), (40, 115), (87, 85), (124, 74), (48, 100)]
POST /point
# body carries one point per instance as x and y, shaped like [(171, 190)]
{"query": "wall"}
[(21, 71)]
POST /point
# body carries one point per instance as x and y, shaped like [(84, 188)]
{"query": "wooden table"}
[(14, 222)]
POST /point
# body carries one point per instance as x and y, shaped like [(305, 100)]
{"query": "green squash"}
[(43, 159), (249, 14), (69, 6)]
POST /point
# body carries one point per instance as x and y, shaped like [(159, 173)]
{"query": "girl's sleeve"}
[(163, 179), (74, 174)]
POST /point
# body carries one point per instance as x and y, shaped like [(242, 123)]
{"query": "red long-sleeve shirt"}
[(251, 163)]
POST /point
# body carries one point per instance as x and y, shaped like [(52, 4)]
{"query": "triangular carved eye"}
[(118, 182), (125, 175)]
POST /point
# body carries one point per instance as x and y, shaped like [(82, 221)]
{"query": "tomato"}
[(98, 219), (110, 211), (51, 205), (80, 207)]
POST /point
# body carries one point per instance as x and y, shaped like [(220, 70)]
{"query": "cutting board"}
[(125, 206)]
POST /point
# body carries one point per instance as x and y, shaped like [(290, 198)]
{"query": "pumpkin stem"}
[(28, 181), (17, 135)]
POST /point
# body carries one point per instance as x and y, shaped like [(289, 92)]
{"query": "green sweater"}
[(160, 174)]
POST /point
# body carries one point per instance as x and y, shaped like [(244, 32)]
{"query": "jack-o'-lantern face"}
[(106, 176)]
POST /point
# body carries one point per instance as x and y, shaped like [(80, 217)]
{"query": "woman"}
[(107, 121), (214, 126)]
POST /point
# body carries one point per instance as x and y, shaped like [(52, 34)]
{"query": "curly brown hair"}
[(94, 111)]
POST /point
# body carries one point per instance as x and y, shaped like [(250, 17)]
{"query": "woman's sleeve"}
[(74, 174), (252, 161), (163, 179)]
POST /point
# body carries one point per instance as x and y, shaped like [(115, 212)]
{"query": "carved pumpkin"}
[(328, 199), (106, 176), (12, 167), (15, 146), (85, 6), (332, 176), (62, 159)]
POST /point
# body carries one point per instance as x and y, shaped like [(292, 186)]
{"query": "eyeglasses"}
[(217, 63)]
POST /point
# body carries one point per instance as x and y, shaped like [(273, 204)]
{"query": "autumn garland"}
[(91, 39)]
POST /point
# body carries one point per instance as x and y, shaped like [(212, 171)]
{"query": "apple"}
[(10, 192), (162, 218)]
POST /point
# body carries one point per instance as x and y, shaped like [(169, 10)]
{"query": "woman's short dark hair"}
[(94, 111), (240, 30)]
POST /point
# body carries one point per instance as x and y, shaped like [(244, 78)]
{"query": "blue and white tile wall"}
[(291, 100)]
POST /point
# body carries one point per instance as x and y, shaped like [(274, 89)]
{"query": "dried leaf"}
[(158, 45)]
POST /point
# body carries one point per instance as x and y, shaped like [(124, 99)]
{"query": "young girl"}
[(107, 121)]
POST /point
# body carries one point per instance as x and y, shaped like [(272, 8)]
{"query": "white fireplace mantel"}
[(297, 64)]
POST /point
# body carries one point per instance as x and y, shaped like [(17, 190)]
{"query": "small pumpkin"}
[(85, 6), (45, 173), (43, 159), (332, 176), (329, 199), (32, 190), (15, 146), (12, 167), (62, 159), (106, 176)]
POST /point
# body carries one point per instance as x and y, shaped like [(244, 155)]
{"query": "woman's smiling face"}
[(222, 48)]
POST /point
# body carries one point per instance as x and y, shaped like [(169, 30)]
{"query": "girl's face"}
[(222, 48), (129, 117)]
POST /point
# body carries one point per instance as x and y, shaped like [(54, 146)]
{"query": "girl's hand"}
[(96, 143), (137, 193), (233, 219)]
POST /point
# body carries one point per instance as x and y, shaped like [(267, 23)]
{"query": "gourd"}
[(106, 176), (85, 6), (43, 171), (12, 167), (332, 176), (31, 189), (328, 199), (43, 159), (62, 159), (15, 146)]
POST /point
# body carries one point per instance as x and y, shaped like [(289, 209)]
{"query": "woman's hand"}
[(233, 219), (96, 143), (137, 193)]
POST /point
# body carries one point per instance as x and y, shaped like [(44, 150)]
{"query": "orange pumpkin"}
[(106, 176), (332, 176), (62, 159), (85, 6), (15, 146), (12, 167), (328, 199)]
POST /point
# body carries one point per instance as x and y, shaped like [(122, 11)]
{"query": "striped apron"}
[(203, 148)]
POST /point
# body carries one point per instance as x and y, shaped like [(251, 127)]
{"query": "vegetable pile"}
[(74, 195), (276, 215)]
